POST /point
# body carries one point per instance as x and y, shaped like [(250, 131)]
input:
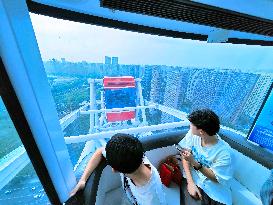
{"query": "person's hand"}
[(187, 155), (79, 186), (194, 191)]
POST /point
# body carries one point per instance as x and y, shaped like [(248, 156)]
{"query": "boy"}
[(206, 161), (140, 179)]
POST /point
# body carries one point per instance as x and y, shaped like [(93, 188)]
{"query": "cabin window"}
[(262, 132), (176, 77), (19, 183)]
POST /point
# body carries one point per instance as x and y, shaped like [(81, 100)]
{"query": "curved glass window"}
[(262, 132), (19, 183), (173, 77)]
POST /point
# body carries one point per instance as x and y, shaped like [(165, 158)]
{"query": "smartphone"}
[(179, 148)]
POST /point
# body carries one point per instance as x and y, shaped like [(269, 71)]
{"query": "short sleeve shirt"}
[(152, 193), (216, 157)]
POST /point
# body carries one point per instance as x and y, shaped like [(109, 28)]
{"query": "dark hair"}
[(124, 153), (206, 120)]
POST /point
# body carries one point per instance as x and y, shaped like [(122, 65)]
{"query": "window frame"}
[(61, 13), (21, 125), (65, 14), (24, 67), (14, 103), (260, 110)]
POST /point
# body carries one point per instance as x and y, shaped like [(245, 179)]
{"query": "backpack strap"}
[(128, 190)]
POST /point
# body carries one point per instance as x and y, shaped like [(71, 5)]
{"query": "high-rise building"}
[(241, 91), (257, 95), (157, 84), (146, 82), (114, 60), (224, 91), (202, 88), (171, 94), (107, 60), (185, 74)]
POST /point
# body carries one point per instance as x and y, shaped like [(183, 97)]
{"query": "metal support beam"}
[(108, 134), (71, 117), (174, 112), (117, 109), (92, 104), (12, 164), (141, 102), (20, 54)]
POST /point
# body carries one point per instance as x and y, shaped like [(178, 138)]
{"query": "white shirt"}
[(216, 157), (151, 193)]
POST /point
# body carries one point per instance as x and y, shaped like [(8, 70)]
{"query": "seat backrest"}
[(108, 181), (156, 155), (249, 173)]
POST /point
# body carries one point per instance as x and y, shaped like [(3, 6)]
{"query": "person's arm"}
[(206, 171), (187, 155), (186, 167), (90, 167), (191, 186)]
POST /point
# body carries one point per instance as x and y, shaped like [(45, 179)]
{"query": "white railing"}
[(12, 164), (135, 130), (117, 109)]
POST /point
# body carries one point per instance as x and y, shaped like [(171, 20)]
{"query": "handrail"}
[(241, 144)]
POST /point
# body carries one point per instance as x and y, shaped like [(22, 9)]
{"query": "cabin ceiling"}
[(194, 12), (232, 21), (258, 8)]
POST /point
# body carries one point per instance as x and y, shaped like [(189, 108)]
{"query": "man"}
[(140, 179), (206, 161)]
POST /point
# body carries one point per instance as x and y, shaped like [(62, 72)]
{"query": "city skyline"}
[(64, 61), (82, 42), (234, 95)]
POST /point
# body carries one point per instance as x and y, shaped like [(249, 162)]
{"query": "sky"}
[(83, 42)]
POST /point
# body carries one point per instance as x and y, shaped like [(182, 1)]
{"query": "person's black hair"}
[(124, 153), (206, 120)]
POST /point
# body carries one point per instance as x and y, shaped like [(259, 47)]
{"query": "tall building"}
[(202, 88), (157, 90), (220, 105), (224, 91), (192, 84), (257, 95), (183, 104), (171, 93), (245, 83), (146, 82), (157, 84), (107, 60), (114, 60)]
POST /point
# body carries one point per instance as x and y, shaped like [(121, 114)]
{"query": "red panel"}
[(120, 116), (118, 82)]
